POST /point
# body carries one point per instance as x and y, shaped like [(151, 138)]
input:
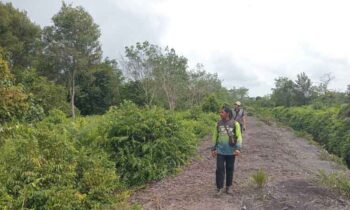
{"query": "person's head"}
[(225, 113), (237, 104)]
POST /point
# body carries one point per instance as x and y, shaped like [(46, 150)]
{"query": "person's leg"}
[(230, 164), (220, 171)]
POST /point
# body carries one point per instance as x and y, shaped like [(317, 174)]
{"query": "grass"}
[(324, 155), (336, 181), (307, 136), (259, 178)]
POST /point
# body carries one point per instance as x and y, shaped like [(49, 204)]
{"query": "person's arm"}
[(215, 141), (244, 121)]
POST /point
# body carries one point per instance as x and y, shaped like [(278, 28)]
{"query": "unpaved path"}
[(290, 162)]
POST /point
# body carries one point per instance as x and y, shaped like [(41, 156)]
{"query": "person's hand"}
[(237, 152), (213, 153)]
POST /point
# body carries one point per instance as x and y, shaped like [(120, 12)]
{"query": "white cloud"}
[(265, 39), (260, 40)]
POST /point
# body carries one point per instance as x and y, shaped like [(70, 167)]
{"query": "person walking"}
[(239, 115), (228, 142)]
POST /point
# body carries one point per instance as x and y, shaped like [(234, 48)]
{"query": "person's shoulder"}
[(220, 121), (235, 123)]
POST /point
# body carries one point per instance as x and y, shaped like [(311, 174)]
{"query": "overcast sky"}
[(248, 43)]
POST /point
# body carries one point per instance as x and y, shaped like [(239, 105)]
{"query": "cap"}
[(238, 103)]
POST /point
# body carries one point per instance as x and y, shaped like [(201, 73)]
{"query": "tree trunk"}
[(72, 95)]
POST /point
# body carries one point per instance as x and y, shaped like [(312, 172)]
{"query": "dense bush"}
[(210, 104), (199, 122), (86, 163), (42, 168), (330, 127), (147, 144)]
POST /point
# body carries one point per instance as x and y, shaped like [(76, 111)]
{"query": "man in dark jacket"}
[(239, 115)]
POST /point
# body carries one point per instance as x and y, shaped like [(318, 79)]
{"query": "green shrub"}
[(210, 104), (87, 163), (43, 167), (344, 112), (329, 127), (147, 144)]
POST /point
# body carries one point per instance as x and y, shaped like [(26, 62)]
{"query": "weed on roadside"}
[(336, 181), (259, 178)]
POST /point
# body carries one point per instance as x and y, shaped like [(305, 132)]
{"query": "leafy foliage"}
[(99, 88), (44, 93), (19, 36), (44, 167), (14, 102), (210, 104), (324, 125), (59, 163), (72, 47), (147, 143)]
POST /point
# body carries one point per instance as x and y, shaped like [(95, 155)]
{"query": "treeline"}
[(303, 91), (62, 67), (315, 109)]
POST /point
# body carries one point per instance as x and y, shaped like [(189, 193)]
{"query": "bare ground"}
[(290, 162)]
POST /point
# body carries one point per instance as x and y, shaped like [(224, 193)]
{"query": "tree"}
[(210, 104), (171, 73), (44, 92), (71, 47), (162, 74), (14, 102), (19, 37), (239, 94), (282, 94), (325, 80), (139, 65), (133, 91), (99, 88), (303, 89), (201, 84)]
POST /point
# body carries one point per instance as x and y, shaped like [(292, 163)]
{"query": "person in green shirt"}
[(228, 142)]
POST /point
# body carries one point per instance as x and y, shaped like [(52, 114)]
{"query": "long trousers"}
[(224, 163)]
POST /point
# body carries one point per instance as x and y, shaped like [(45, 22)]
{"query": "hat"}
[(238, 103)]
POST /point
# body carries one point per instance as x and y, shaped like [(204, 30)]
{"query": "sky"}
[(247, 43)]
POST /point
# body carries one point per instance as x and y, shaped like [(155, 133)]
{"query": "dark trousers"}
[(224, 163)]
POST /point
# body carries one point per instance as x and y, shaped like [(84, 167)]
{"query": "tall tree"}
[(303, 89), (133, 91), (139, 64), (282, 94), (99, 88), (239, 93), (325, 80), (171, 74), (201, 84), (71, 47), (19, 37), (14, 102)]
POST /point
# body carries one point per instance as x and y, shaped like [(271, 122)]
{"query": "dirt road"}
[(290, 162)]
